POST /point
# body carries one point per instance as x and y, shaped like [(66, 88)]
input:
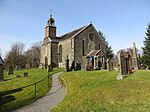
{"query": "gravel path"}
[(49, 101)]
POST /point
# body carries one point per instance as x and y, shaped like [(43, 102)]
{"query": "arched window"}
[(60, 53), (91, 37), (83, 50), (99, 46)]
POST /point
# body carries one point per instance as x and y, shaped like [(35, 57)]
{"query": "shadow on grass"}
[(9, 79), (7, 99), (61, 85), (11, 91)]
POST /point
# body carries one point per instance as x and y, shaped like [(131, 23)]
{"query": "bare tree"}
[(34, 54), (16, 54)]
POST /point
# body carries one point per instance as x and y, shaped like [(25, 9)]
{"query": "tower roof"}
[(51, 21)]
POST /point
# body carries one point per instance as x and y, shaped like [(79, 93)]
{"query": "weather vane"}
[(51, 12)]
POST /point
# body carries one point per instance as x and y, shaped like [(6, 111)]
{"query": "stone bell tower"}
[(50, 29), (49, 53)]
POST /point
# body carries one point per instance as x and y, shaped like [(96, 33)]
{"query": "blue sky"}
[(122, 21)]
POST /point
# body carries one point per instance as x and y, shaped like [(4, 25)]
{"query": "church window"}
[(91, 37), (83, 49), (99, 46), (60, 53)]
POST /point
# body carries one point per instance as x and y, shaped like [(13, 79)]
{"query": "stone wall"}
[(66, 50), (45, 53), (54, 54)]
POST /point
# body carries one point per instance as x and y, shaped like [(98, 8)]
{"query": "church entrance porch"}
[(94, 60)]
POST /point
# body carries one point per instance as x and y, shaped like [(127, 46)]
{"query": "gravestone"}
[(18, 67), (122, 65), (67, 64), (25, 74), (18, 76), (72, 66), (134, 57), (78, 66), (49, 69), (34, 62), (111, 65), (10, 70), (27, 66), (1, 69), (128, 62), (41, 65), (108, 64)]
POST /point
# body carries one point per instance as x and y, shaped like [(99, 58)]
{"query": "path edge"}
[(63, 82)]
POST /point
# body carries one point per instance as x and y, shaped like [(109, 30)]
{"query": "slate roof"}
[(72, 33), (1, 61)]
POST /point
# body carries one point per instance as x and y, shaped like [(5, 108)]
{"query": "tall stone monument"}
[(134, 57)]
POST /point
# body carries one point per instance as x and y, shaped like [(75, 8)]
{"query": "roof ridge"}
[(73, 31), (81, 30)]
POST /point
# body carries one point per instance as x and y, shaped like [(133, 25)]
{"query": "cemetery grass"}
[(100, 91), (20, 97)]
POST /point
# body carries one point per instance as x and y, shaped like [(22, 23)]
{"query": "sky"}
[(122, 21)]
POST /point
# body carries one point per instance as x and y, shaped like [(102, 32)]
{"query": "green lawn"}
[(16, 98), (100, 91)]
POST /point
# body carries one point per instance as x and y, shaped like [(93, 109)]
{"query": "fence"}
[(13, 99)]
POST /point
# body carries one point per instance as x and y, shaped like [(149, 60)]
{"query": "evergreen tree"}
[(109, 51), (146, 48)]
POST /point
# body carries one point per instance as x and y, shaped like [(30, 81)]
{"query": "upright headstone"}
[(1, 69), (27, 66), (128, 63), (41, 65), (111, 65), (72, 66), (108, 64), (25, 74), (10, 70), (122, 65), (67, 64), (49, 69), (34, 62), (18, 67)]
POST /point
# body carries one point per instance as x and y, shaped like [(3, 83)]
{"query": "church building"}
[(84, 47)]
